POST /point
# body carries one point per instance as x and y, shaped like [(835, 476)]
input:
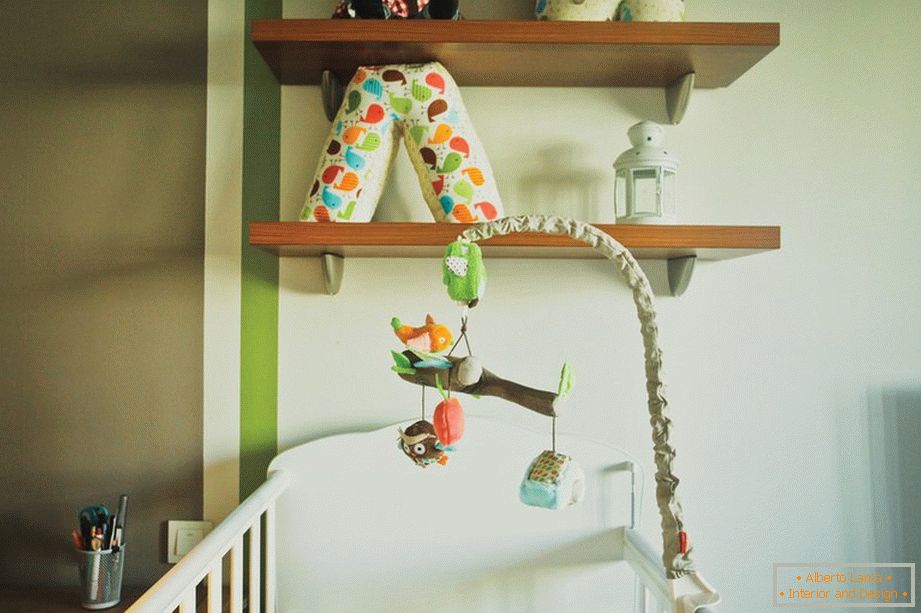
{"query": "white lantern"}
[(645, 178)]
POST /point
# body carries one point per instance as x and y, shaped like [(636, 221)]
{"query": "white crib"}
[(351, 524), (348, 523)]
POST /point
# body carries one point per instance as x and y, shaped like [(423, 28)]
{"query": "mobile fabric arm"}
[(689, 591)]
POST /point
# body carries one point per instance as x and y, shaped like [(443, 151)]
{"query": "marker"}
[(77, 539), (94, 574), (96, 541), (110, 531), (121, 516), (116, 540)]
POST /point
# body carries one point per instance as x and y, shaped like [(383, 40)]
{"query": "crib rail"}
[(652, 592), (177, 589)]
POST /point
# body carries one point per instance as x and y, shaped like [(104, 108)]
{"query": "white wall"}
[(770, 360)]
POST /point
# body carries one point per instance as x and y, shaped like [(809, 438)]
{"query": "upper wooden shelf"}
[(294, 238), (519, 53)]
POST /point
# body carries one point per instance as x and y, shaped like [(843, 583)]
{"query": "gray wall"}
[(102, 159), (895, 456)]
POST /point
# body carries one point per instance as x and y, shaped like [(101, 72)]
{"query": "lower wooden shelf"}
[(680, 246), (706, 242)]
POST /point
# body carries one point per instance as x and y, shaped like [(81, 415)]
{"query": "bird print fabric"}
[(422, 104)]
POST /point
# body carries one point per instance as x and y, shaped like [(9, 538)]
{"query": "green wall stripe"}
[(259, 292)]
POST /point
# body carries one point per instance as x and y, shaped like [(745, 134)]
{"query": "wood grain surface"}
[(293, 238), (519, 53)]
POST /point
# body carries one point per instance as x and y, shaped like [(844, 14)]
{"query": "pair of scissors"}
[(92, 518)]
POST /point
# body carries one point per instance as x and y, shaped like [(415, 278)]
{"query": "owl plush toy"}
[(397, 9), (421, 445)]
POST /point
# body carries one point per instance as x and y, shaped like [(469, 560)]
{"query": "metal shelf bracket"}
[(680, 271), (333, 268), (332, 91), (678, 96)]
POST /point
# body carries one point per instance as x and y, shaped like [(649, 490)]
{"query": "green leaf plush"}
[(463, 272), (402, 365)]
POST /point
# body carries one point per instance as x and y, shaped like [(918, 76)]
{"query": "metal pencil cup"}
[(101, 578)]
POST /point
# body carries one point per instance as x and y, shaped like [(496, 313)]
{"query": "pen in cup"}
[(121, 516)]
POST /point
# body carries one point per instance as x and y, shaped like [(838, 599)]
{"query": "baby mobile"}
[(553, 480)]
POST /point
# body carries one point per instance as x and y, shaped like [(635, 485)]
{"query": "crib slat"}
[(236, 576), (205, 561), (215, 588), (188, 602), (639, 596), (270, 559), (255, 565)]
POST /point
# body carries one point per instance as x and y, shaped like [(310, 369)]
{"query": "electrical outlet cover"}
[(182, 536)]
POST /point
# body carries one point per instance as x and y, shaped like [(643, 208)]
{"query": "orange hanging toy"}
[(448, 418)]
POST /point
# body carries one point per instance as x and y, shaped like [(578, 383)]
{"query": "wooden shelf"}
[(430, 239), (519, 53), (675, 56)]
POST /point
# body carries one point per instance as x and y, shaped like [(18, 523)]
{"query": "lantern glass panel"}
[(669, 193), (620, 193), (646, 192)]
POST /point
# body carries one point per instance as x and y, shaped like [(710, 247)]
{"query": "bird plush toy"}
[(430, 338), (397, 9)]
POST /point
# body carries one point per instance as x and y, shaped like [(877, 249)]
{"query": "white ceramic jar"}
[(609, 10), (651, 10), (576, 10)]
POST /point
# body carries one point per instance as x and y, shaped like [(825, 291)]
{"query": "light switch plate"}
[(182, 536)]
